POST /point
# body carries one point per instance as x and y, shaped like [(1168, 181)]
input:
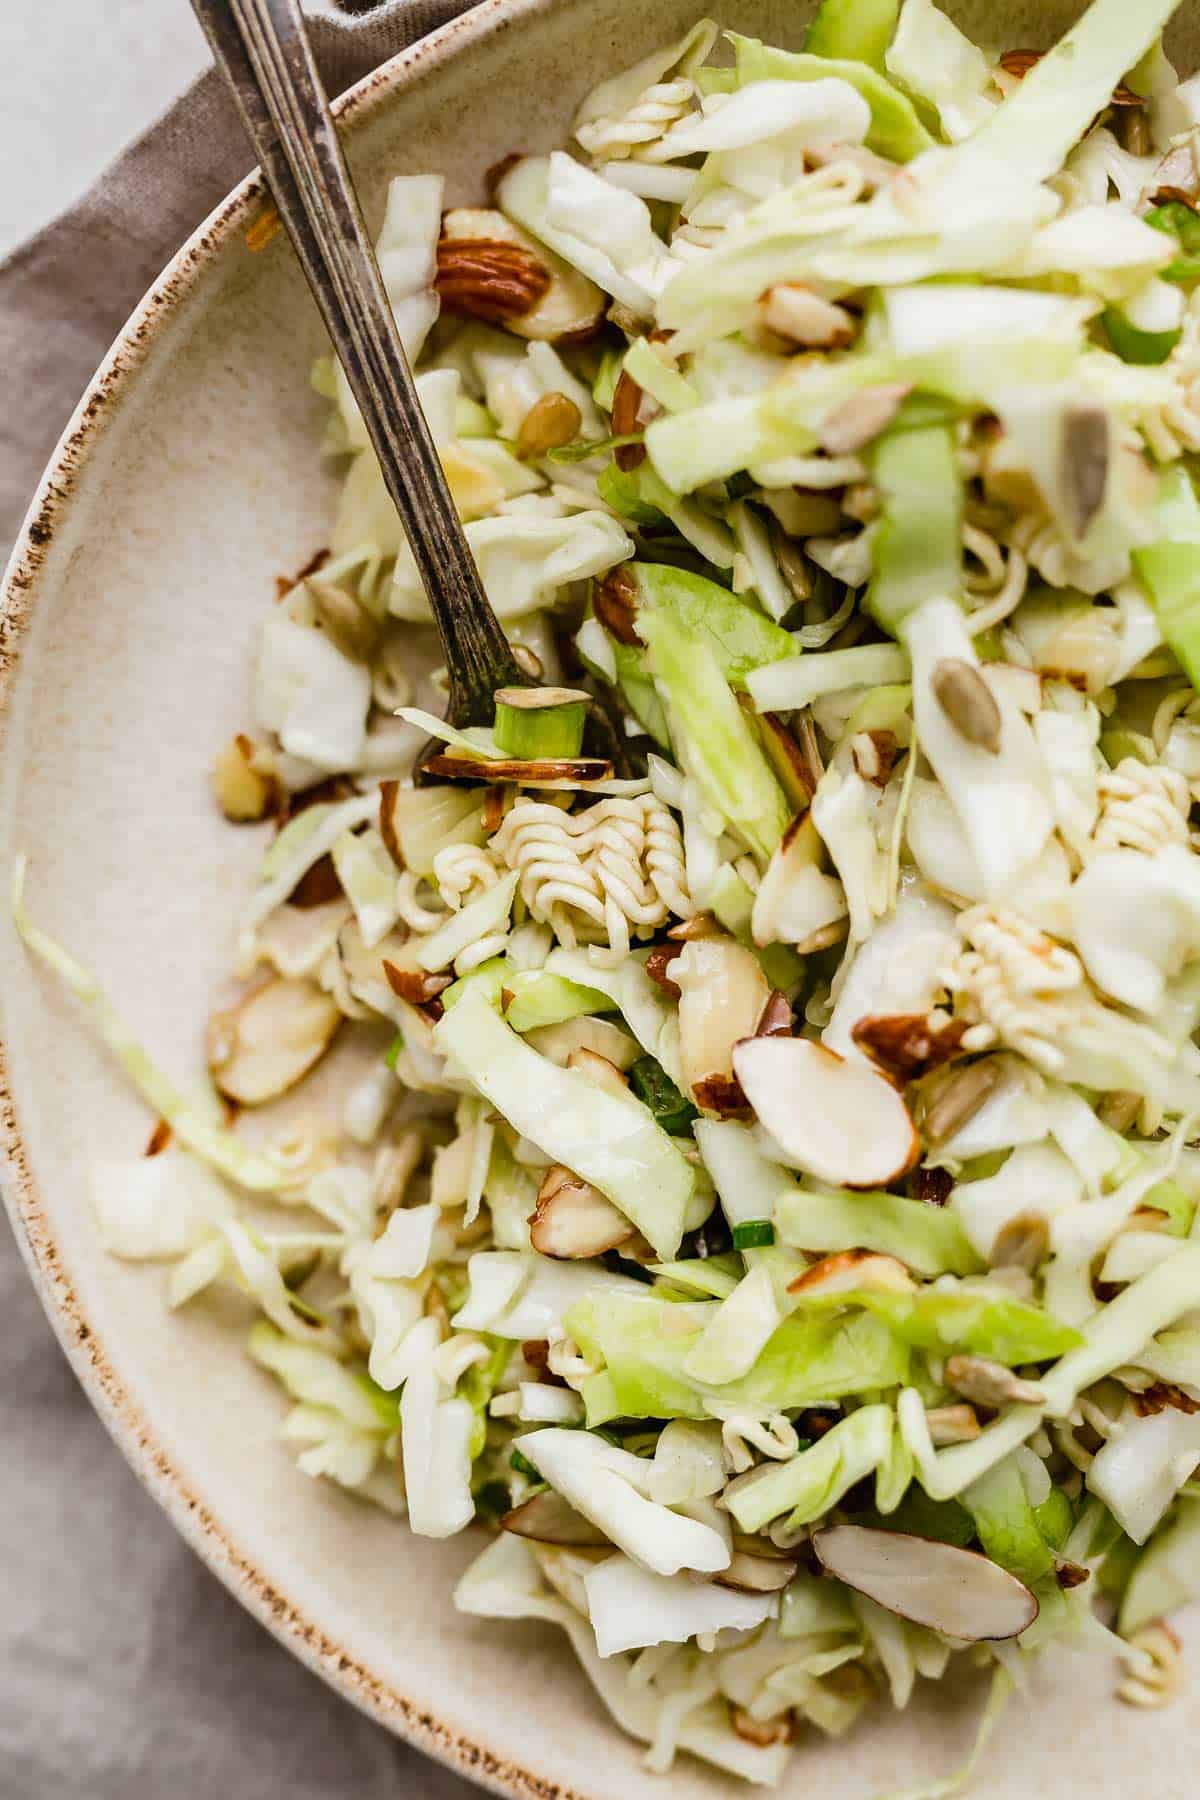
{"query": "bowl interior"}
[(130, 630)]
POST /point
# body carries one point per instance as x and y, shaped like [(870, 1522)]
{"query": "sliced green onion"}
[(583, 449), (859, 30), (1143, 348), (538, 723), (1178, 220), (655, 1089), (622, 490), (392, 1056), (523, 1466), (753, 1234)]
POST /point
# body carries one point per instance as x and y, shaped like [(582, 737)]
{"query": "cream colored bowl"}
[(189, 478)]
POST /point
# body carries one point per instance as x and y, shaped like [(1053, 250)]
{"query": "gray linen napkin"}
[(126, 1670)]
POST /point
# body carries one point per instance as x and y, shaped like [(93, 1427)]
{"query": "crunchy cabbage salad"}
[(762, 1188)]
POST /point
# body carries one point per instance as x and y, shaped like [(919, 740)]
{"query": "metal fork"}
[(263, 50)]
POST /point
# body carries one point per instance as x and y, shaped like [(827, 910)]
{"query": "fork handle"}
[(262, 48)]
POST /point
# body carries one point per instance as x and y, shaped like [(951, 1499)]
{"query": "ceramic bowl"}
[(189, 478)]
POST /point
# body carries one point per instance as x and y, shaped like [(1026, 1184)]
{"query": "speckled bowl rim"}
[(120, 1412)]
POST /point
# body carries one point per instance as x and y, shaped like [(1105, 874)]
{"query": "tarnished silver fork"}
[(263, 50)]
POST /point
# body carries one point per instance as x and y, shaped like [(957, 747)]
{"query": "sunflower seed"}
[(968, 702)]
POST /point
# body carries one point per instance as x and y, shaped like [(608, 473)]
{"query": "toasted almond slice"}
[(908, 1045), (754, 1574), (260, 1048), (475, 769), (417, 986), (957, 1592), (658, 964), (1019, 62), (849, 1270), (615, 600), (776, 1019), (626, 410), (568, 309), (246, 790), (597, 1068), (796, 776), (763, 1732), (572, 1220), (722, 992), (722, 1095), (549, 1519), (344, 619), (860, 419), (795, 312), (796, 902), (839, 1121)]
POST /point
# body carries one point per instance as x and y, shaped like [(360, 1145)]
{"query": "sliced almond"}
[(722, 992), (474, 769), (260, 1048), (1019, 62), (417, 986), (795, 312), (568, 308), (874, 755), (957, 1592), (344, 619), (908, 1045), (1175, 178), (763, 1732), (859, 420), (246, 789), (989, 1383), (796, 902), (852, 1270), (549, 1519), (839, 1121), (557, 1042), (599, 1070), (615, 602), (700, 925), (626, 409), (789, 761), (722, 1095), (776, 1019), (657, 965), (573, 1220), (753, 1574), (1160, 1396)]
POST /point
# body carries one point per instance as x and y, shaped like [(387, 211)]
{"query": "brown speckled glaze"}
[(348, 1590)]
